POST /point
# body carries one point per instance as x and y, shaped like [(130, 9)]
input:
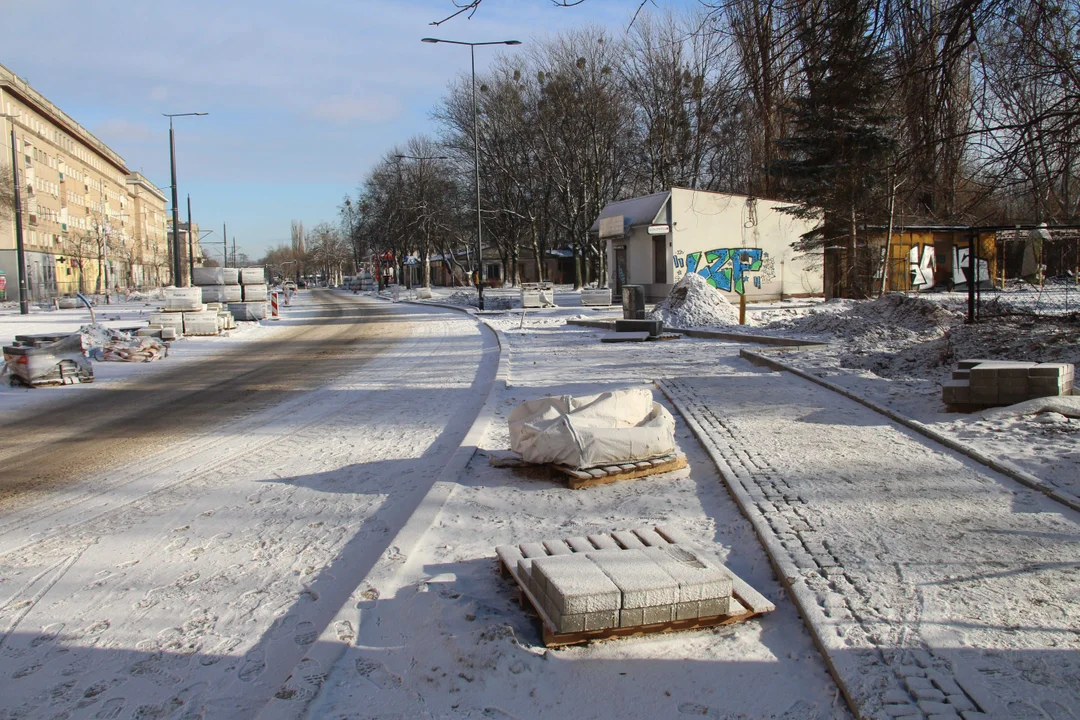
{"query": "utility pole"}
[(234, 251), (20, 250), (190, 244), (224, 245)]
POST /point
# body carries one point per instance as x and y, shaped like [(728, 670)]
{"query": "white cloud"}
[(368, 108)]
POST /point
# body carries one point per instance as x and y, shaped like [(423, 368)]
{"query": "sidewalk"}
[(935, 586)]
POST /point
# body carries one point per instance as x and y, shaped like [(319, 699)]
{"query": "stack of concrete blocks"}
[(157, 331), (618, 581), (215, 288), (204, 322), (179, 302), (595, 296), (989, 383), (252, 303)]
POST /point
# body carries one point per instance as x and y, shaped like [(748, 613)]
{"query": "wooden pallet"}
[(576, 478), (745, 602)]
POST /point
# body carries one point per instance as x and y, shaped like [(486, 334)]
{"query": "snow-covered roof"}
[(635, 211)]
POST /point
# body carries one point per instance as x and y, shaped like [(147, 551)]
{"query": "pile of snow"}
[(693, 303), (102, 343), (885, 316), (465, 298)]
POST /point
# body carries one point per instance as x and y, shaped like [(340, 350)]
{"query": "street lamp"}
[(476, 148), (175, 211), (20, 249)]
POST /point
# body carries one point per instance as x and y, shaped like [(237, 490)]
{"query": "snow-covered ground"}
[(899, 350), (195, 589), (187, 350), (214, 589)]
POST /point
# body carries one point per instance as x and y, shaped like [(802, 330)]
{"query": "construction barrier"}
[(274, 315)]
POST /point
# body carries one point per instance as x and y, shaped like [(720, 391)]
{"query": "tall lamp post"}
[(476, 149), (20, 250), (177, 272)]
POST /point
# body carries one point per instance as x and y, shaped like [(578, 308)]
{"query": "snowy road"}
[(172, 547)]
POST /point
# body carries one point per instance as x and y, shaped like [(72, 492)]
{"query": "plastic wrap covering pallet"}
[(252, 276), (208, 276), (222, 293), (58, 363), (172, 320), (186, 298), (230, 276), (624, 584), (201, 323), (255, 293), (248, 310)]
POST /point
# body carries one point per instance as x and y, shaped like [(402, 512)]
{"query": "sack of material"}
[(582, 432)]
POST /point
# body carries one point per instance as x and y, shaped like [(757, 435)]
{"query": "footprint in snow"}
[(111, 708), (377, 673), (689, 708), (253, 667), (305, 633), (48, 634)]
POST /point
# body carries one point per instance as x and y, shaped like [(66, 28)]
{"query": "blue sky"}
[(303, 96)]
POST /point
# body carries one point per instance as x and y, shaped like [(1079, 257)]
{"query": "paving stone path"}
[(936, 588)]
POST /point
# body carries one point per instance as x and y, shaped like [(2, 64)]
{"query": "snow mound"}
[(881, 317), (692, 303)]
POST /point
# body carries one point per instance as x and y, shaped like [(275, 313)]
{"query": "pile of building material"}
[(990, 383), (625, 583), (52, 362), (108, 344), (593, 430), (252, 303), (219, 285)]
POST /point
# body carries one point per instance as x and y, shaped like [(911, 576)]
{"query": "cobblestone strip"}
[(853, 626)]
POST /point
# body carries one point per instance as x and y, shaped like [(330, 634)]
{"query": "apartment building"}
[(88, 222)]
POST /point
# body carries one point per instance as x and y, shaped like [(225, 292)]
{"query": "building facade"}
[(88, 222), (741, 245)]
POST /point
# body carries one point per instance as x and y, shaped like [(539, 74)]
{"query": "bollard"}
[(742, 309), (274, 315)]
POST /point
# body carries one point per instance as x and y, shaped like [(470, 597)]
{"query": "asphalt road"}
[(49, 448)]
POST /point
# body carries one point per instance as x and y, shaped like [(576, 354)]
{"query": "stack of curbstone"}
[(252, 304), (179, 303), (989, 383), (216, 287), (618, 581)]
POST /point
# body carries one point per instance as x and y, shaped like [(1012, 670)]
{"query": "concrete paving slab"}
[(641, 581)]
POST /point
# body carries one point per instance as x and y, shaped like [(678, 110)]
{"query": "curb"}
[(782, 342), (1002, 466), (786, 571), (328, 649)]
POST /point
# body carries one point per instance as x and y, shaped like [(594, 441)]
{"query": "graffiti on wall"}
[(923, 264), (729, 268), (961, 258)]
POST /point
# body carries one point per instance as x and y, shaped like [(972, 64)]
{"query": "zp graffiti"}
[(727, 268)]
